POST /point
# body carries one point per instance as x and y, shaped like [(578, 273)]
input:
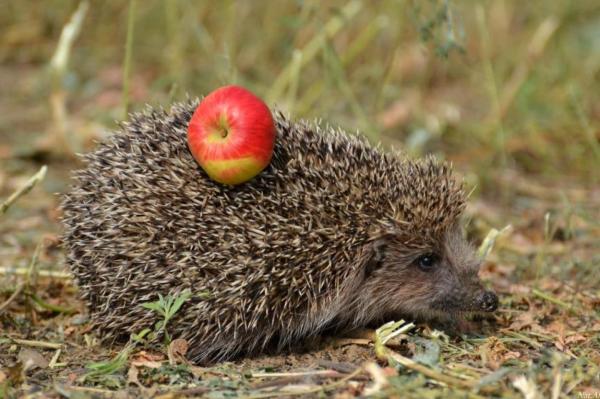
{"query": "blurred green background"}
[(495, 86)]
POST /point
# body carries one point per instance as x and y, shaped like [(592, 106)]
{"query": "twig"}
[(65, 389), (33, 180), (290, 378), (22, 271), (36, 344), (54, 361), (12, 297), (322, 388), (58, 68), (67, 37), (274, 384), (326, 373)]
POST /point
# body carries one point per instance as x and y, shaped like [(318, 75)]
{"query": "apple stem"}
[(224, 126)]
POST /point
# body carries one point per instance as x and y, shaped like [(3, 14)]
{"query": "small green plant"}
[(106, 372), (167, 307)]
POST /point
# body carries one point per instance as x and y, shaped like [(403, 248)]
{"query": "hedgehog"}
[(334, 235)]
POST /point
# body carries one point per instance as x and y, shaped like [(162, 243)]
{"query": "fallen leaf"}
[(132, 376), (31, 359), (177, 350), (575, 338), (557, 327), (559, 345), (494, 353), (145, 359), (523, 320)]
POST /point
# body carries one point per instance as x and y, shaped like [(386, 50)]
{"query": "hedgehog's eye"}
[(426, 262)]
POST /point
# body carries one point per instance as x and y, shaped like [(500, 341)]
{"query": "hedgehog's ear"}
[(378, 252)]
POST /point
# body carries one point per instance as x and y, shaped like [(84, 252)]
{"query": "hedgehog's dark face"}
[(423, 281)]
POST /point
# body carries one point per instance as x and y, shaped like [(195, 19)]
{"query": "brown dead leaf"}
[(557, 327), (70, 330), (2, 376), (177, 350), (494, 353), (32, 359), (132, 376), (149, 360), (575, 338), (525, 319)]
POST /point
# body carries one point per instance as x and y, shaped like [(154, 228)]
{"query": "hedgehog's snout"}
[(488, 301)]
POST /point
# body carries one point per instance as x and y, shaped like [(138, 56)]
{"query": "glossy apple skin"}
[(231, 135)]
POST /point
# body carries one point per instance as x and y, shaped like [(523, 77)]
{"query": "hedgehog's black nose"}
[(489, 301)]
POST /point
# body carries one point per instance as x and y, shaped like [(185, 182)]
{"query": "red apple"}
[(231, 135)]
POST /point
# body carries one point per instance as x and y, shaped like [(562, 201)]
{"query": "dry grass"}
[(506, 90)]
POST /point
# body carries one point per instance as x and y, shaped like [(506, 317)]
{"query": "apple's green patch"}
[(233, 171)]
